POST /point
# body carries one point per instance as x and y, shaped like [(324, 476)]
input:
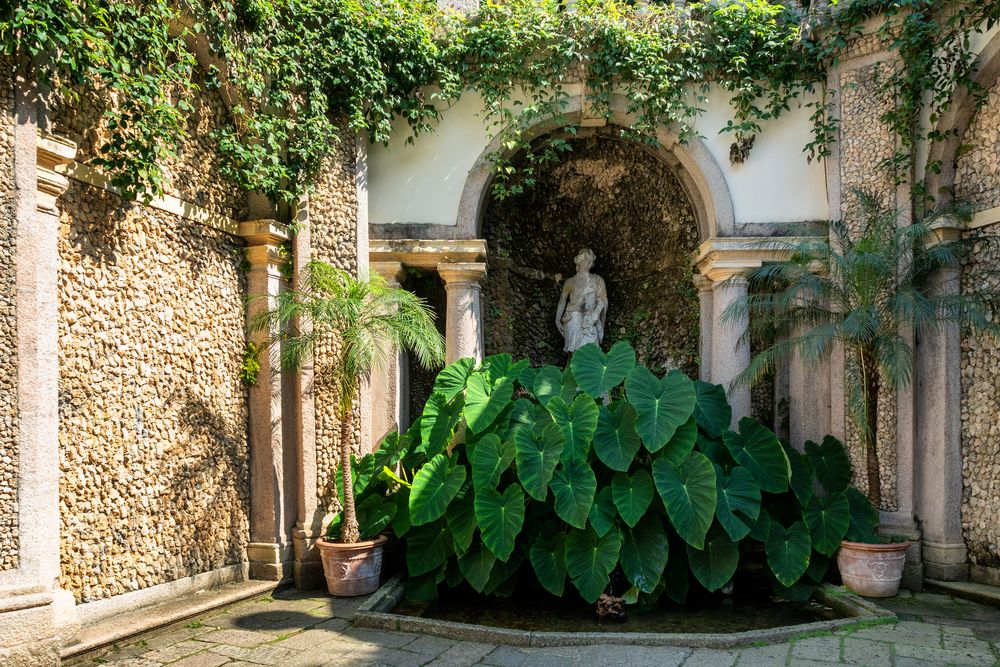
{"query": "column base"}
[(28, 634), (946, 561), (269, 561), (307, 568), (913, 569)]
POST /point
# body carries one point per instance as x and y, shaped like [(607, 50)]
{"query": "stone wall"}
[(616, 198), (8, 329), (978, 181), (333, 227), (865, 142), (152, 414)]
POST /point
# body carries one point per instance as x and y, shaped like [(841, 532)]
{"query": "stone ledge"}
[(981, 593)]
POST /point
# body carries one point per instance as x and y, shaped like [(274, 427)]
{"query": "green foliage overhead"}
[(525, 513)]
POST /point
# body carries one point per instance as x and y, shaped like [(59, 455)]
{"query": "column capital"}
[(701, 283), (467, 274), (52, 153), (944, 229), (393, 272), (264, 240)]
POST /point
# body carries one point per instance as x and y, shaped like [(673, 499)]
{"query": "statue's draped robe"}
[(583, 317)]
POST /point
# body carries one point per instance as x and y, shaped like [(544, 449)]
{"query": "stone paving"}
[(312, 630)]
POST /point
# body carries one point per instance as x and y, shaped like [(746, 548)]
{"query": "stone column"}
[(389, 384), (464, 324), (705, 320), (36, 616), (730, 349), (270, 549)]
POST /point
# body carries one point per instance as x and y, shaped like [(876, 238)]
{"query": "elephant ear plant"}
[(602, 472), (352, 326)]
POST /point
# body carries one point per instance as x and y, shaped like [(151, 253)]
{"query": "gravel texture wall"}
[(333, 221), (864, 143), (978, 181), (9, 539), (621, 201), (153, 417)]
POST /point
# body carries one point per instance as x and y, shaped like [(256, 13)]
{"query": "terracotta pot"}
[(872, 570), (352, 569)]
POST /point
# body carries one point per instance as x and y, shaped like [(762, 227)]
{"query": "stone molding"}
[(392, 271), (985, 218), (264, 239), (53, 154), (720, 259), (462, 274), (426, 254)]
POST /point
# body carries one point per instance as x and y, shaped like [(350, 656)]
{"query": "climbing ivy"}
[(298, 70)]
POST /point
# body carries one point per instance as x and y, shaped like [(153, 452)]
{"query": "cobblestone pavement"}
[(312, 630)]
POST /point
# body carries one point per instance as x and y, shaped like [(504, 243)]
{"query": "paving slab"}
[(710, 657)]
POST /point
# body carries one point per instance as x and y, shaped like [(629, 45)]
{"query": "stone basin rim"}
[(376, 613)]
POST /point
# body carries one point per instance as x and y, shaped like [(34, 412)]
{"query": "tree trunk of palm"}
[(869, 436), (349, 529)]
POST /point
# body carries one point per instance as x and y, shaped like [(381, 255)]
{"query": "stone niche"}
[(615, 197)]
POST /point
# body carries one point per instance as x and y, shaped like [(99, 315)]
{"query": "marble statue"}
[(583, 305)]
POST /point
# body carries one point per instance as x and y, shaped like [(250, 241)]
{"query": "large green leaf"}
[(682, 442), (597, 373), (434, 486), (739, 502), (537, 455), (711, 408), (864, 517), (452, 379), (615, 439), (427, 547), (660, 405), (761, 529), (490, 459), (552, 381), (632, 495), (602, 512), (644, 553), (830, 463), (461, 518), (715, 564), (757, 449), (374, 514), (424, 586), (590, 560), (573, 486), (476, 565), (528, 414), (802, 475), (548, 558), (500, 517), (828, 520), (689, 494), (438, 422), (788, 551), (578, 423), (484, 401)]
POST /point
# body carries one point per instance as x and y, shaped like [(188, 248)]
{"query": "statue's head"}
[(584, 259)]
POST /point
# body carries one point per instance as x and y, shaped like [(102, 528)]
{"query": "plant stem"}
[(869, 434), (349, 533)]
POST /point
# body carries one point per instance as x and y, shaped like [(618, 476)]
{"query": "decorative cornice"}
[(462, 274), (985, 218), (391, 271), (426, 254), (52, 155), (720, 259), (263, 232)]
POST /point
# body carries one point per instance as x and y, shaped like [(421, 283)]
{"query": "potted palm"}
[(362, 322), (861, 289)]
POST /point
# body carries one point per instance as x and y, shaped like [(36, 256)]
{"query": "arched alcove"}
[(620, 199)]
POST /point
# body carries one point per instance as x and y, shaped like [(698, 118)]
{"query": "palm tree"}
[(864, 289), (361, 322)]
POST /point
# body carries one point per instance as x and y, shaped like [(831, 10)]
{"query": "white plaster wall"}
[(422, 182)]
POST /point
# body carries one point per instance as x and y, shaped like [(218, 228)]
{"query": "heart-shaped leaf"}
[(548, 558), (632, 495), (476, 565), (828, 520), (739, 502), (598, 373), (689, 494), (578, 423), (761, 530), (537, 454), (716, 564), (802, 475), (757, 449), (602, 512), (427, 547), (590, 560), (830, 463), (500, 517), (615, 439), (573, 486), (526, 378), (864, 518), (644, 553), (660, 405), (438, 422), (484, 401), (552, 381), (528, 414), (461, 518), (374, 514), (788, 551), (490, 459), (434, 486), (712, 410), (682, 442), (452, 379)]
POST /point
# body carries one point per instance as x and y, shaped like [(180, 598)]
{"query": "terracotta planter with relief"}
[(872, 570), (352, 569)]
